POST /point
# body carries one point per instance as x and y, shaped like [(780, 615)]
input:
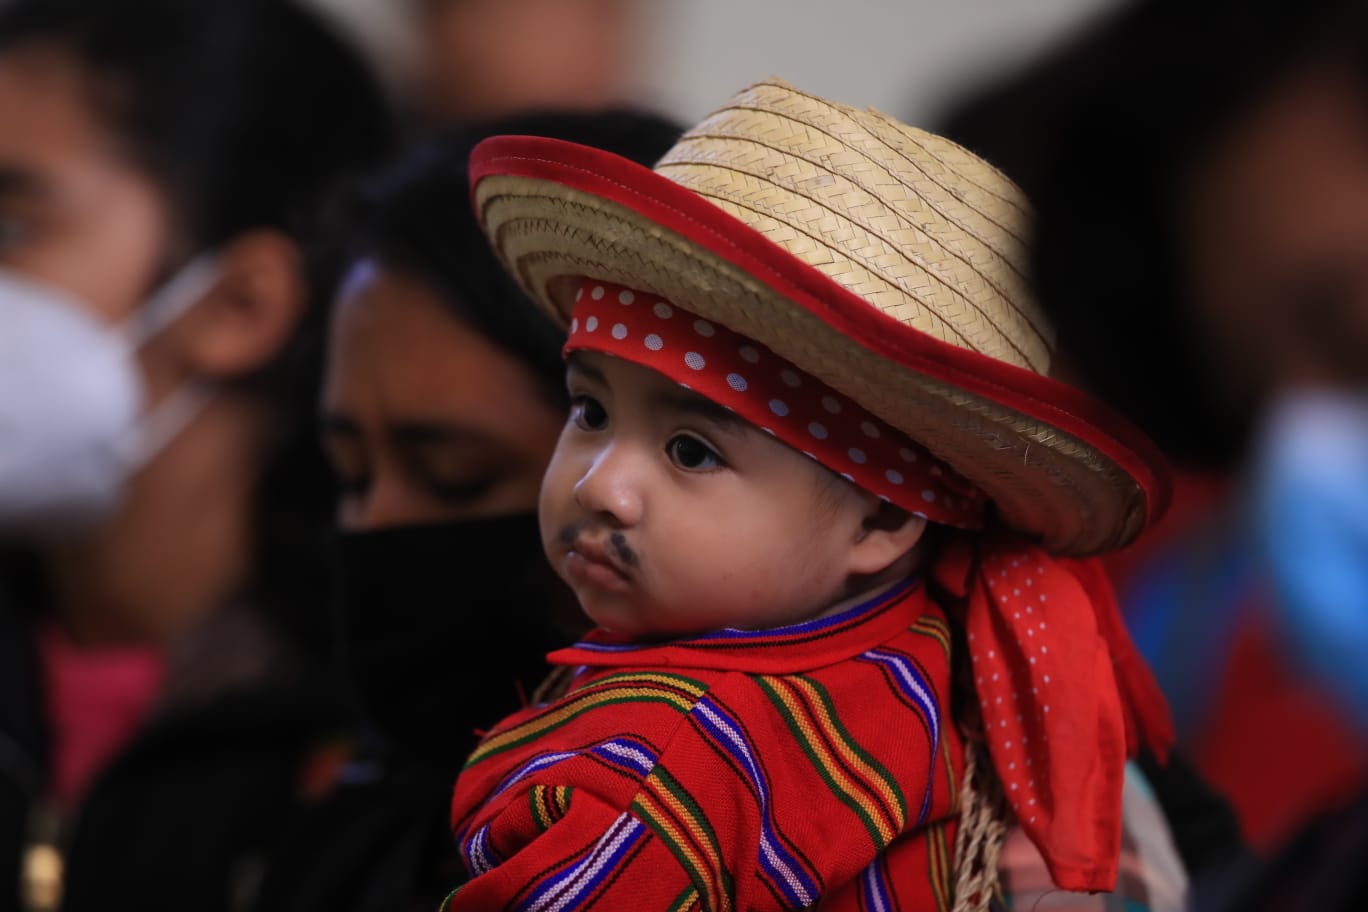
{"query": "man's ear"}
[(251, 311), (886, 535)]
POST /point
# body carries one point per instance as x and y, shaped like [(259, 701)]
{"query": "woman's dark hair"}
[(418, 219), (247, 114), (1104, 136)]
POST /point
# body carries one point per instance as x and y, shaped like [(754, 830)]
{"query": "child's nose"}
[(613, 485)]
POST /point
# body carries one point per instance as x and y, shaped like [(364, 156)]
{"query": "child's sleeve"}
[(558, 846)]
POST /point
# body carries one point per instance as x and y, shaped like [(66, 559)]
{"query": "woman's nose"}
[(612, 484)]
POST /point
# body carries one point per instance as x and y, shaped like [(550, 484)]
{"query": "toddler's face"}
[(669, 515)]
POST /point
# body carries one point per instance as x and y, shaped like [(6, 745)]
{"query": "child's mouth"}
[(602, 565), (598, 573)]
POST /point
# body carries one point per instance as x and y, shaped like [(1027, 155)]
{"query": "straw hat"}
[(885, 261)]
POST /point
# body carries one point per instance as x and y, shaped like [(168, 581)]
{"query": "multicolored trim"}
[(575, 884), (784, 637), (674, 691), (787, 874), (855, 777), (910, 684), (549, 803), (679, 822)]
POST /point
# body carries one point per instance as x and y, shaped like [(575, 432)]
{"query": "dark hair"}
[(417, 218), (248, 114), (1104, 135)]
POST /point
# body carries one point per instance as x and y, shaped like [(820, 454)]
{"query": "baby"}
[(814, 481)]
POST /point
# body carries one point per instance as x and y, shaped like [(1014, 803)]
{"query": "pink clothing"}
[(95, 700)]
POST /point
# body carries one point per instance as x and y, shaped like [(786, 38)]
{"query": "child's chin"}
[(614, 618), (621, 620)]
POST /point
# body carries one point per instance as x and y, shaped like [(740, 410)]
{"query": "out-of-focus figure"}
[(444, 396), (166, 172), (443, 399), (489, 58), (1201, 177)]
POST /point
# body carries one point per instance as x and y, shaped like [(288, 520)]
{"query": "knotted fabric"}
[(1064, 696)]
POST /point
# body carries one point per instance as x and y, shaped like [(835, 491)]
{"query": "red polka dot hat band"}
[(775, 396)]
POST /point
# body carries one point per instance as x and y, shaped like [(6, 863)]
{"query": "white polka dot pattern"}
[(1061, 706), (772, 393)]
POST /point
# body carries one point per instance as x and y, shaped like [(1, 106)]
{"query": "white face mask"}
[(74, 419)]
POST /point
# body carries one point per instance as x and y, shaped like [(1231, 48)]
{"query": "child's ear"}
[(886, 535)]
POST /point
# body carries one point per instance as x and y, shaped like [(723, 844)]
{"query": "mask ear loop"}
[(165, 421), (171, 301)]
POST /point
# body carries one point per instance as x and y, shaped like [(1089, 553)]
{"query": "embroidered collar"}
[(776, 650)]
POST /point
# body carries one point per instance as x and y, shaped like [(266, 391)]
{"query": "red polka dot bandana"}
[(1064, 696), (774, 395)]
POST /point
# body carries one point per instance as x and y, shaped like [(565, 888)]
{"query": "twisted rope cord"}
[(981, 833)]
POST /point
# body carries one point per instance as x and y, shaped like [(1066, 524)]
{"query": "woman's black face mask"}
[(444, 626)]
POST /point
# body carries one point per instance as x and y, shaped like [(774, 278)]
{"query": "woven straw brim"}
[(1045, 483)]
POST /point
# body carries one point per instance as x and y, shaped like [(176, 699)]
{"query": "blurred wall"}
[(905, 57)]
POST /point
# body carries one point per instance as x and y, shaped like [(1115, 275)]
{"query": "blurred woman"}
[(484, 59), (165, 171), (443, 399)]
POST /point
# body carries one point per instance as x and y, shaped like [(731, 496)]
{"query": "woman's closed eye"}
[(588, 413), (693, 455), (459, 493)]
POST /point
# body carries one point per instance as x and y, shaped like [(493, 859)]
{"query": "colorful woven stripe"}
[(685, 901), (911, 685), (846, 768), (875, 894), (670, 690), (576, 883), (786, 872), (679, 821), (479, 856), (936, 628), (549, 803), (693, 786)]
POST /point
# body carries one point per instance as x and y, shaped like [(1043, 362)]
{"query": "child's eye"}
[(692, 454), (588, 413)]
